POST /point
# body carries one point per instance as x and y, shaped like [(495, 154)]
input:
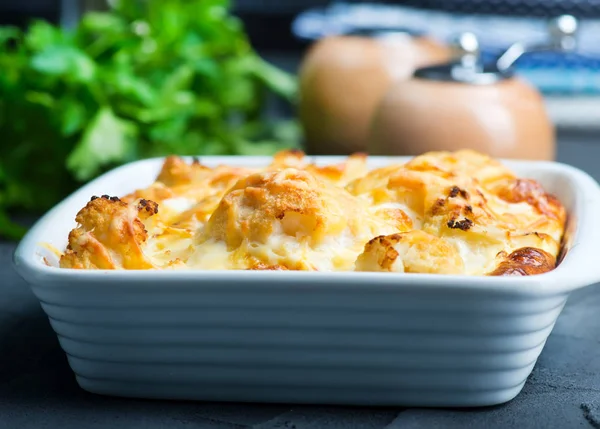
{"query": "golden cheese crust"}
[(294, 219), (440, 213), (470, 201)]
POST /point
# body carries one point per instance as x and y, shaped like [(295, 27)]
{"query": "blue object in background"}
[(552, 73), (558, 73)]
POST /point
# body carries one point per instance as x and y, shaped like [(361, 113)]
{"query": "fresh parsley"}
[(146, 78)]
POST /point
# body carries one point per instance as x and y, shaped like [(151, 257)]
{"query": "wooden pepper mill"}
[(465, 104), (342, 80)]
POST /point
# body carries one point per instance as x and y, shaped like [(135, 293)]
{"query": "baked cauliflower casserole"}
[(442, 213)]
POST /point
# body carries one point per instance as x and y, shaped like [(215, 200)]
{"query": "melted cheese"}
[(445, 213), (179, 205)]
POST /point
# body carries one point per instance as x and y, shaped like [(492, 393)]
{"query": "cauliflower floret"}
[(525, 261), (410, 252), (109, 235)]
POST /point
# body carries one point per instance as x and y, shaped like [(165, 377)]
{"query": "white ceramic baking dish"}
[(307, 337)]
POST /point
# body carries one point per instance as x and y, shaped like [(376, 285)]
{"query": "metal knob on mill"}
[(467, 103)]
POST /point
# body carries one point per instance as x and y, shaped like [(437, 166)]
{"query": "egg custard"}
[(439, 213)]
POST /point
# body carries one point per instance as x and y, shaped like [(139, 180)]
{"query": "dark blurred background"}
[(269, 21)]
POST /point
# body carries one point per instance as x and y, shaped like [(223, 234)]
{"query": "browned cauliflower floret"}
[(109, 235), (294, 200), (410, 252), (525, 262), (176, 171)]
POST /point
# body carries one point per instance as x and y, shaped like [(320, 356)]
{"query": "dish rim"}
[(559, 280)]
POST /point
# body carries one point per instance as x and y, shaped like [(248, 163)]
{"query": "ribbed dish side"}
[(457, 357), (353, 395)]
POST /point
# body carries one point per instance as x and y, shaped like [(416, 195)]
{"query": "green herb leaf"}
[(64, 60), (126, 84), (73, 117), (276, 79), (101, 22), (106, 140), (42, 34)]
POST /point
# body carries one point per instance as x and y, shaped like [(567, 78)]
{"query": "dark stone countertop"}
[(38, 389)]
